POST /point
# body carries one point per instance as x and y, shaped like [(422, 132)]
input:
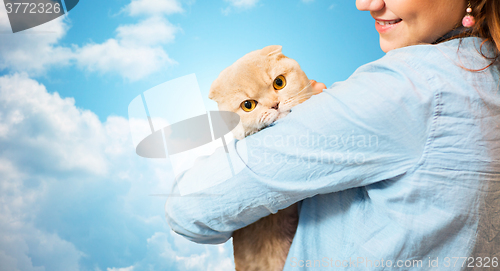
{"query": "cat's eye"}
[(248, 105), (279, 82)]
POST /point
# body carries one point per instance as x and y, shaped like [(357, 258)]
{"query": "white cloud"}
[(150, 32), (153, 7), (131, 62), (245, 4), (135, 53), (130, 268), (23, 247), (75, 196), (33, 50), (45, 125), (238, 5), (185, 255), (242, 3)]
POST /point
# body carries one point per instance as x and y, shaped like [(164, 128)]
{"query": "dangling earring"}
[(468, 20)]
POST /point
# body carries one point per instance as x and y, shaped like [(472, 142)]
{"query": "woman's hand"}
[(317, 87)]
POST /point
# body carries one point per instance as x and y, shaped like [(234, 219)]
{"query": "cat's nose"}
[(276, 106)]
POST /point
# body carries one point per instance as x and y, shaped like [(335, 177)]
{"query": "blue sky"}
[(73, 193)]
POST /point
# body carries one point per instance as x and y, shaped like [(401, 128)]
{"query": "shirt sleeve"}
[(371, 127)]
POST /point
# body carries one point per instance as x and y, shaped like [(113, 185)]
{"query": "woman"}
[(398, 166)]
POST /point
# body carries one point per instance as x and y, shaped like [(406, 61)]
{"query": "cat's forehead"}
[(255, 68), (250, 75)]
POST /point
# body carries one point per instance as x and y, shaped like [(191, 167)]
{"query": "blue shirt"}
[(397, 166)]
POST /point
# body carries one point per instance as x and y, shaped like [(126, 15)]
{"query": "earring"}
[(468, 20)]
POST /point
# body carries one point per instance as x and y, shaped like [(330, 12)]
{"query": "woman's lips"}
[(383, 26)]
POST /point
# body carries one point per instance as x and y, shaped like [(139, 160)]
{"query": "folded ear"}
[(212, 93), (216, 89), (271, 50)]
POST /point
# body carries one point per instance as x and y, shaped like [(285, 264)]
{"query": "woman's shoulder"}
[(455, 54), (429, 66)]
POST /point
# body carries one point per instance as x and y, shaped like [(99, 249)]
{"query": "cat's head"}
[(261, 87)]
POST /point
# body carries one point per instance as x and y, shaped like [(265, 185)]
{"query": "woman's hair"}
[(487, 26), (487, 16)]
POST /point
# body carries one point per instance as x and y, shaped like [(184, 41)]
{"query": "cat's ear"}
[(271, 50), (212, 94)]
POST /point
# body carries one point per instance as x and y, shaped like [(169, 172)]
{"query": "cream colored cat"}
[(262, 87)]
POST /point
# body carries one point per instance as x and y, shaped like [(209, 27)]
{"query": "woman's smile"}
[(403, 23), (384, 26)]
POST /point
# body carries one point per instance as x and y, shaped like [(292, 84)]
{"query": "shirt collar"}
[(455, 33)]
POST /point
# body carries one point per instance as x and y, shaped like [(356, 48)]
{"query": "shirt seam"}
[(437, 108), (437, 111)]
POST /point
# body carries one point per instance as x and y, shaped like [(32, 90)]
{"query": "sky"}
[(73, 193)]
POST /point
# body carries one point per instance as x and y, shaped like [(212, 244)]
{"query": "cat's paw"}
[(317, 87)]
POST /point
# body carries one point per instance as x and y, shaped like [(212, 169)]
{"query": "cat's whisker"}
[(304, 95), (297, 97), (308, 85), (263, 118)]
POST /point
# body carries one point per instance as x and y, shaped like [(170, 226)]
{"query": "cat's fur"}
[(263, 245)]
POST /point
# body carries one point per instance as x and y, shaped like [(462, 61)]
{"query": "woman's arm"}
[(372, 127)]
